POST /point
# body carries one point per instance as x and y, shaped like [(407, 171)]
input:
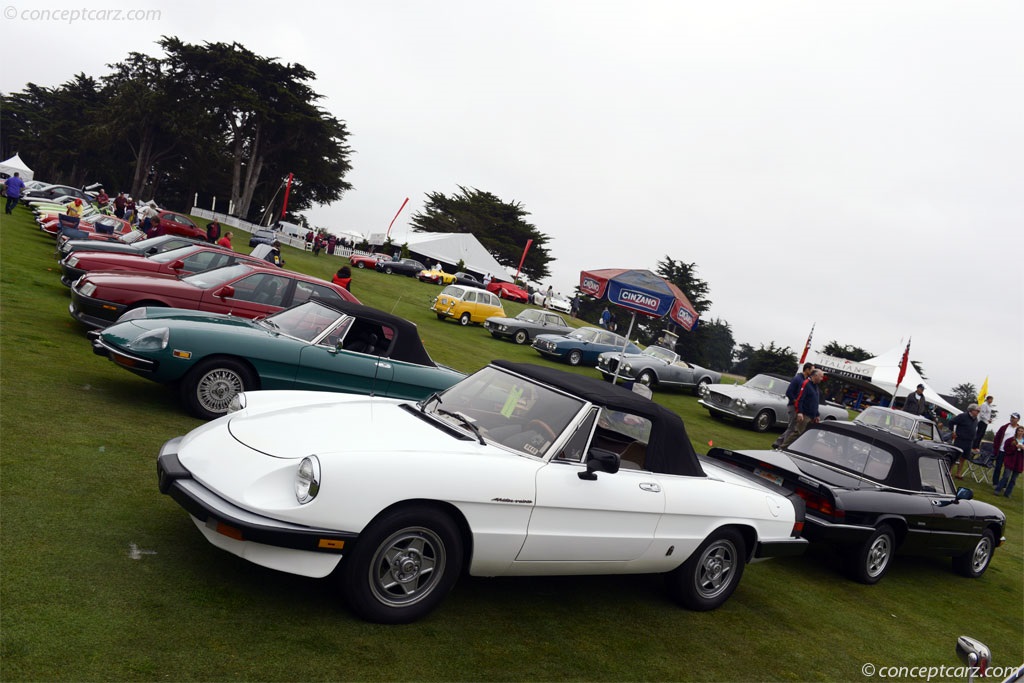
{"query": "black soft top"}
[(406, 346), (669, 450)]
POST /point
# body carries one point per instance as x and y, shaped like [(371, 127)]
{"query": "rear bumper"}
[(788, 547), (818, 530)]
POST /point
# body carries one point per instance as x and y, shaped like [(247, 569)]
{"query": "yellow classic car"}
[(467, 304)]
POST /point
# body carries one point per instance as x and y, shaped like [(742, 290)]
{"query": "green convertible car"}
[(315, 345)]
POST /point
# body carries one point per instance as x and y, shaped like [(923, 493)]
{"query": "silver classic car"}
[(761, 402), (656, 367), (527, 325)]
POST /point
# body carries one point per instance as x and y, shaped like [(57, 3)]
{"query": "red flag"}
[(807, 346), (903, 364), (287, 191), (529, 243), (396, 216)]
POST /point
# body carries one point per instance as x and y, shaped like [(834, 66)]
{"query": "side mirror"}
[(225, 292), (974, 653), (600, 461), (177, 265), (964, 493)]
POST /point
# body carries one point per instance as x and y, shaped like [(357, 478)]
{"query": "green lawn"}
[(105, 579)]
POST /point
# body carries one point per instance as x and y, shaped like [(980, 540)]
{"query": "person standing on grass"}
[(1003, 434), (984, 419), (13, 189), (808, 404), (795, 385), (225, 241), (1013, 463), (964, 426)]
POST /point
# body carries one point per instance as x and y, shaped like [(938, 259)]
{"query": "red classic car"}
[(507, 290), (171, 223), (99, 299), (182, 261), (99, 224), (361, 261)]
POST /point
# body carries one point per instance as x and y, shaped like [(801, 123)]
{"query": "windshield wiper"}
[(268, 321), (466, 421), (428, 399)]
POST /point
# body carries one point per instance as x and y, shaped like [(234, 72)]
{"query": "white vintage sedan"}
[(517, 470)]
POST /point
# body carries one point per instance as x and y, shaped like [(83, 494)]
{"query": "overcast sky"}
[(854, 165)]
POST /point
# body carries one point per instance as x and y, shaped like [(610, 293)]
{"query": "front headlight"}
[(154, 340), (741, 403), (72, 261), (628, 367), (87, 289), (236, 403), (307, 479), (703, 390), (132, 314)]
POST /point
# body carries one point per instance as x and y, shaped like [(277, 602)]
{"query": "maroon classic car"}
[(99, 299), (182, 261)]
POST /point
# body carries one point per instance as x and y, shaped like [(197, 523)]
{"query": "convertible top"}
[(406, 346), (669, 450)]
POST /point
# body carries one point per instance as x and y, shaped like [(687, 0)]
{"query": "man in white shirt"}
[(984, 418)]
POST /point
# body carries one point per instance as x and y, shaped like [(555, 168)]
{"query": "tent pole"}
[(615, 379)]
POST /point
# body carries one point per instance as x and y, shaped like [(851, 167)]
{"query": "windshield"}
[(772, 385), (529, 315), (216, 277), (660, 353), (507, 410), (890, 421), (454, 291), (587, 334), (173, 254), (308, 321), (845, 451)]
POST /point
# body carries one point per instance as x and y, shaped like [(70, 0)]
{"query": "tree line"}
[(214, 119)]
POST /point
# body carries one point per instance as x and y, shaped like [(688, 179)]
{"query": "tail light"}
[(816, 501)]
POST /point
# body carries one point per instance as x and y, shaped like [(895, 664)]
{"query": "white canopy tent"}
[(880, 373), (16, 165), (452, 247)]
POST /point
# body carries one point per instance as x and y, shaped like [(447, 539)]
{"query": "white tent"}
[(16, 165), (452, 247), (880, 373)]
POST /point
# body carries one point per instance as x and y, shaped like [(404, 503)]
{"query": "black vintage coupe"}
[(871, 493), (406, 266)]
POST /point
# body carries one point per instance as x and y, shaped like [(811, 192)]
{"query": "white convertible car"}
[(517, 470)]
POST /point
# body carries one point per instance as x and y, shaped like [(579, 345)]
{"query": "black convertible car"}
[(871, 493), (406, 266)]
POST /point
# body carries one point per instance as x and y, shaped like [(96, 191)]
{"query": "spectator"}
[(332, 241), (75, 208), (964, 426), (119, 203), (795, 385), (605, 317), (1003, 434), (129, 209), (1013, 462), (343, 278), (984, 418), (102, 199), (574, 306), (13, 189), (274, 256), (807, 405), (213, 232), (915, 402), (487, 280), (225, 241)]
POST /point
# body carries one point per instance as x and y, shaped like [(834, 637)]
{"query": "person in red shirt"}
[(225, 241), (343, 278)]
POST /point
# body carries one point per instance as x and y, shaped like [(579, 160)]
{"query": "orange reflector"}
[(109, 307), (181, 354), (330, 543), (122, 360), (229, 531), (798, 528)]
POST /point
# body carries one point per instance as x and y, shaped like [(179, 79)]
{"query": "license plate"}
[(774, 478)]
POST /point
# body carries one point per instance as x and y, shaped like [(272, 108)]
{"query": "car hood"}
[(144, 282), (178, 318), (110, 260), (739, 390)]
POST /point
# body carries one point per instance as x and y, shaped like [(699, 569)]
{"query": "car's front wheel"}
[(647, 378), (209, 387), (521, 337), (360, 264), (387, 269), (575, 357), (764, 420), (403, 565), (870, 561), (974, 563), (707, 579)]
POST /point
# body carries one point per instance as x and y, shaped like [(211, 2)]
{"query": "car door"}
[(936, 522), (353, 367), (612, 518), (257, 294)]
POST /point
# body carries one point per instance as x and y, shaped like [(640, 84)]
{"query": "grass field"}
[(105, 579)]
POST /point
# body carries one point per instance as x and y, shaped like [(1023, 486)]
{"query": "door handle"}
[(384, 365), (650, 486)]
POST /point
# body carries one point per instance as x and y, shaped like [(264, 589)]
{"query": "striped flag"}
[(903, 365), (807, 347)]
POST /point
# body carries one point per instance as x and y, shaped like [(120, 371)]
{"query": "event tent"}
[(452, 247), (880, 373), (16, 165)]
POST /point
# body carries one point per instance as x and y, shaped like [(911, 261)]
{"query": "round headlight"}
[(307, 479), (154, 340), (703, 390), (628, 367), (741, 403)]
